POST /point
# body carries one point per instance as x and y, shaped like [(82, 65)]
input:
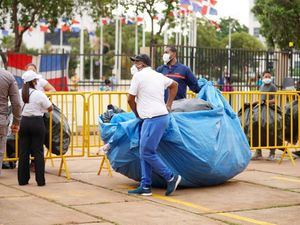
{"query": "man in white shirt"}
[(146, 99)]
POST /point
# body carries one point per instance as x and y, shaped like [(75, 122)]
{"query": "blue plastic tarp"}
[(205, 147)]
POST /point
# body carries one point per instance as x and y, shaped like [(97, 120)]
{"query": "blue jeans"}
[(152, 131)]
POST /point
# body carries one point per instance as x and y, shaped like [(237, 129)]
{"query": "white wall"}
[(34, 39), (253, 22)]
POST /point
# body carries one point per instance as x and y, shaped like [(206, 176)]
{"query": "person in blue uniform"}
[(178, 72)]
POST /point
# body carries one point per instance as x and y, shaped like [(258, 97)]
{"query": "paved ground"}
[(266, 193)]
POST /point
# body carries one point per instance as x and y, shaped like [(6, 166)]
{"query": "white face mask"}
[(133, 70), (267, 80), (166, 58)]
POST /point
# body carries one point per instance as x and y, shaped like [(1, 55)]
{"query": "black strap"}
[(28, 100)]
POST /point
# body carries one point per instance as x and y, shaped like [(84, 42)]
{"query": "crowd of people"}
[(150, 97)]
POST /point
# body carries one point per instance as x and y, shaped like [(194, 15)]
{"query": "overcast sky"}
[(238, 9)]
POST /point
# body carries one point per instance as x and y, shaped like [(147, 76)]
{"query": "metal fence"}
[(84, 72), (242, 66)]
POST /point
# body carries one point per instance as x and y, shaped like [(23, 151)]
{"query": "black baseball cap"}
[(142, 58)]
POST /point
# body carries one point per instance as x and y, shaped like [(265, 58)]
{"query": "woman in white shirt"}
[(42, 84), (32, 129)]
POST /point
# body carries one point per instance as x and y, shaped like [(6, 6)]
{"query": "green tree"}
[(47, 48), (26, 14), (128, 46), (224, 24), (207, 35), (74, 55), (279, 21), (8, 43), (243, 40)]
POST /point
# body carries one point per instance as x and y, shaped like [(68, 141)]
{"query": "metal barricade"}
[(81, 111), (267, 122)]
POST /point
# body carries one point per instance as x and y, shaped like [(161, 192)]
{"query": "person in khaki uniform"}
[(8, 91)]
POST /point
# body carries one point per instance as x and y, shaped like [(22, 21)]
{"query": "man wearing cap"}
[(146, 99), (8, 89), (178, 72)]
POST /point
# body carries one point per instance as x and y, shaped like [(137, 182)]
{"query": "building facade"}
[(254, 25)]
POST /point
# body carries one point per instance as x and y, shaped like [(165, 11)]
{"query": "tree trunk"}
[(152, 30), (18, 41), (3, 57)]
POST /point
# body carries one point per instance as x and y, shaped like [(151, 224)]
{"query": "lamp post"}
[(229, 50)]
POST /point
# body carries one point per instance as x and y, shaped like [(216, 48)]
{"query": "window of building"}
[(256, 31)]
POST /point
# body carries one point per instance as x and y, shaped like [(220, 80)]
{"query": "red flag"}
[(75, 21), (171, 14), (215, 24), (43, 28), (204, 10), (182, 11), (20, 28), (65, 28), (213, 2), (123, 20), (139, 19), (104, 21), (155, 17)]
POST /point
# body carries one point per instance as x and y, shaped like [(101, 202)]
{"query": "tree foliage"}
[(236, 27), (243, 40), (279, 21), (24, 14), (207, 35)]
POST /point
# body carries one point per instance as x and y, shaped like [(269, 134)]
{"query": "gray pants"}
[(2, 150)]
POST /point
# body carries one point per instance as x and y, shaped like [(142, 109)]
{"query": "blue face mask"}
[(267, 80)]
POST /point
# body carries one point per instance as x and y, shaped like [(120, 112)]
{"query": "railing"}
[(267, 124)]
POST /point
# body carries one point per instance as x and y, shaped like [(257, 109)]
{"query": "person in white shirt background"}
[(42, 84), (146, 99), (32, 129)]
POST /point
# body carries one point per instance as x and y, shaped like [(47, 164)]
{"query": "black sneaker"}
[(172, 185), (141, 191)]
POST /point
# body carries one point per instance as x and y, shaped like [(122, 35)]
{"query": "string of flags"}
[(203, 7), (124, 20), (186, 7)]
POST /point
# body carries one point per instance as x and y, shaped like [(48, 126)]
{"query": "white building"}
[(254, 25)]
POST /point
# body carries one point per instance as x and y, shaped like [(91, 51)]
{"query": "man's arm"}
[(159, 69), (132, 104), (132, 93), (49, 88), (46, 85), (14, 97), (192, 82), (173, 88)]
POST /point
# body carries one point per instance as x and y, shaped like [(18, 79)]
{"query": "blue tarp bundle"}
[(204, 147)]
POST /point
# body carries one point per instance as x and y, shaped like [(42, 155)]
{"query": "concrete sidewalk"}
[(266, 193)]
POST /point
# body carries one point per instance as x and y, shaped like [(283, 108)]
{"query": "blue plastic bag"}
[(205, 147)]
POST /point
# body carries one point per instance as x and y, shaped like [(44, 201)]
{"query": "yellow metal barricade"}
[(268, 112), (72, 117), (81, 111), (97, 105)]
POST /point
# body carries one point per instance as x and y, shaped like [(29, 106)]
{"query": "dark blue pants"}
[(152, 131)]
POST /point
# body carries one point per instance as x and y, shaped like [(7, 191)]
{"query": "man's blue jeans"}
[(152, 131)]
